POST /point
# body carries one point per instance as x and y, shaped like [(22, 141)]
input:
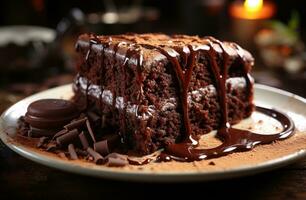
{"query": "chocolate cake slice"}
[(153, 88)]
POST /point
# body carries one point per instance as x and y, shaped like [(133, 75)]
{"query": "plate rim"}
[(149, 176)]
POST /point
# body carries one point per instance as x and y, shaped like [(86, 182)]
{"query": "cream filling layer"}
[(107, 96)]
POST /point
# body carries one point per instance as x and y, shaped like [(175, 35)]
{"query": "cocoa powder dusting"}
[(257, 156)]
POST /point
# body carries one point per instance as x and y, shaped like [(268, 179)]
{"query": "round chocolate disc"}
[(50, 113)]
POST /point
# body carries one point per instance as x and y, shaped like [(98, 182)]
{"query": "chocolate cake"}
[(138, 93), (157, 90)]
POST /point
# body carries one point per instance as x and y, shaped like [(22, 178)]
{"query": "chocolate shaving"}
[(139, 162), (72, 152), (51, 147), (113, 141), (23, 127), (35, 132), (116, 155), (61, 132), (62, 155), (24, 131), (75, 124), (93, 117), (82, 115), (102, 147), (42, 141), (98, 159), (67, 138), (83, 140), (90, 130), (81, 152), (103, 121), (90, 158), (116, 162)]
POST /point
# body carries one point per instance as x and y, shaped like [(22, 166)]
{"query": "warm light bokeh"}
[(253, 5), (252, 9)]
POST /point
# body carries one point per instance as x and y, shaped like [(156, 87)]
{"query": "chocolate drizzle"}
[(233, 139), (92, 41), (132, 50)]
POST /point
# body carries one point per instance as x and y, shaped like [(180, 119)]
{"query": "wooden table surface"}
[(24, 179)]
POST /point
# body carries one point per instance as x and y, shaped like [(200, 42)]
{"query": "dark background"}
[(196, 17), (176, 16), (24, 179)]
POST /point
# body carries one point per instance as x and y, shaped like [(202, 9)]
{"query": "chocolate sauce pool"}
[(233, 139)]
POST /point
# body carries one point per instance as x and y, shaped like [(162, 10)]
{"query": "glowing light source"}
[(253, 5), (252, 9)]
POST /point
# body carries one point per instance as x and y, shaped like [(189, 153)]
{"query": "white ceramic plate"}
[(293, 105)]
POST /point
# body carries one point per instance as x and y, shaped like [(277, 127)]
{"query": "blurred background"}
[(37, 36)]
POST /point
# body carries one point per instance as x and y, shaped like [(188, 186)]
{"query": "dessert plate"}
[(260, 159)]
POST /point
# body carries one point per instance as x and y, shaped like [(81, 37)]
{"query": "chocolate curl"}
[(23, 127), (67, 138), (116, 162), (61, 132), (90, 158), (116, 155), (113, 141), (98, 159), (93, 117), (42, 141), (72, 152), (35, 132), (75, 124), (51, 147), (24, 131), (103, 121), (81, 152), (83, 140), (102, 147), (62, 155), (90, 131)]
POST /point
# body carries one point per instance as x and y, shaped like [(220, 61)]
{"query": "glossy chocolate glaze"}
[(233, 139), (132, 50)]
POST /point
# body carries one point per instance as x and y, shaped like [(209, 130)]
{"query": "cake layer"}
[(131, 81)]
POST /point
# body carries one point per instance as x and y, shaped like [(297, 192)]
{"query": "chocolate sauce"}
[(233, 139), (92, 41), (132, 50)]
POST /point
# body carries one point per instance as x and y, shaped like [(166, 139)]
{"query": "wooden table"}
[(24, 179)]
